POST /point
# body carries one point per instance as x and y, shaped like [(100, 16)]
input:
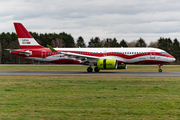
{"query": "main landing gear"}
[(96, 69), (160, 70), (89, 69)]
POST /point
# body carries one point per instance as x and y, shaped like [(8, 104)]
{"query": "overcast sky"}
[(120, 19)]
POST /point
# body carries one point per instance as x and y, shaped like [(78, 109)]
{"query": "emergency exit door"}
[(43, 54)]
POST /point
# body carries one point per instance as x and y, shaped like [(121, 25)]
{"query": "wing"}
[(75, 55), (87, 59)]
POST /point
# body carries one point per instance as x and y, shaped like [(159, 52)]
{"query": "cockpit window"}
[(164, 53)]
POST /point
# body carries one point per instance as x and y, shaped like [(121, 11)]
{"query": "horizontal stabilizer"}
[(21, 52)]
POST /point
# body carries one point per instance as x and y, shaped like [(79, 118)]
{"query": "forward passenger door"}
[(152, 54)]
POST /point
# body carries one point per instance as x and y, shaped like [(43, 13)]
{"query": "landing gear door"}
[(152, 54), (43, 54)]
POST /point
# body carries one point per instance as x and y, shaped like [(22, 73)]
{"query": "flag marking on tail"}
[(25, 39)]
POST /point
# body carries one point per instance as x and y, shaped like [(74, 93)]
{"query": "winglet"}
[(52, 49)]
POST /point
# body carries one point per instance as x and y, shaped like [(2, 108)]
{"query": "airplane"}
[(101, 58)]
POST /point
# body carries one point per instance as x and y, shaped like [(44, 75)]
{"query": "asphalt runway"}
[(76, 73)]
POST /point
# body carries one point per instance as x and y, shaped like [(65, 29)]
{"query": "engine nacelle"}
[(107, 64), (122, 66)]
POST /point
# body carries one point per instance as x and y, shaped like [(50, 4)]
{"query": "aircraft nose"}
[(172, 59)]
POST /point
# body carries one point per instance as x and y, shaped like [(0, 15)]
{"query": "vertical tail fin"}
[(25, 39)]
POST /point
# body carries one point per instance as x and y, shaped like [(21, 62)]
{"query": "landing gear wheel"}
[(96, 69), (160, 70), (89, 69)]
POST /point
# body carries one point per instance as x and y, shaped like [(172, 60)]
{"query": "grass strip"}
[(36, 97)]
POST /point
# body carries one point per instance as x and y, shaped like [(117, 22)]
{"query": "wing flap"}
[(79, 56)]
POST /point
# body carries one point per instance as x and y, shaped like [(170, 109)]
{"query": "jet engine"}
[(122, 66), (109, 64)]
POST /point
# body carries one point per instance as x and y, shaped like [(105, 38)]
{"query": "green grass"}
[(130, 68), (31, 97)]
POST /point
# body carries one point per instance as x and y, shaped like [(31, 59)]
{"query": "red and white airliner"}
[(101, 58)]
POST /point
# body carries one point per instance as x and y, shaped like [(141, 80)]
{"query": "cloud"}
[(127, 20)]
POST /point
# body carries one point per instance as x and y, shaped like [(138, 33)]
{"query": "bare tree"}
[(57, 43), (103, 43), (153, 44), (131, 44)]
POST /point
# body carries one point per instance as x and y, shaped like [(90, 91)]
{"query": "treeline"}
[(9, 41)]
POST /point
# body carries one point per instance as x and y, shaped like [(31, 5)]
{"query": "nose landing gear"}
[(160, 70)]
